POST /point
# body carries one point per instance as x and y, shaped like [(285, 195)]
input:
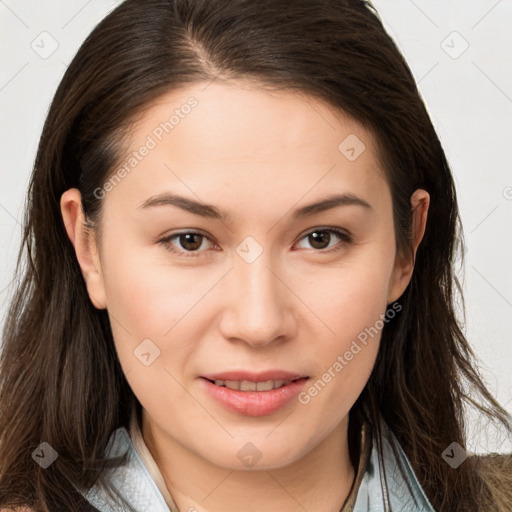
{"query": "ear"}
[(85, 246), (404, 266)]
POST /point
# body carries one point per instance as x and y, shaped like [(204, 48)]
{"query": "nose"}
[(258, 306)]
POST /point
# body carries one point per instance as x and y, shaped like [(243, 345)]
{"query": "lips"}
[(245, 385), (267, 375), (254, 394)]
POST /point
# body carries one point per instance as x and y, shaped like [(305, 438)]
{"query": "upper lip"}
[(239, 375)]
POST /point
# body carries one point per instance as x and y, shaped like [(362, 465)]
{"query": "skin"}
[(258, 156)]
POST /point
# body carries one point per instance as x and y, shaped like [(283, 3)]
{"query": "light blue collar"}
[(382, 488)]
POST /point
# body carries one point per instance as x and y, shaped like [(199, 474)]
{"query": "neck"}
[(321, 480)]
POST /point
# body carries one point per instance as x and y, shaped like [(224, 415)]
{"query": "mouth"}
[(261, 396), (247, 385)]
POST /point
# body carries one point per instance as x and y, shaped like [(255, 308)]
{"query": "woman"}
[(240, 235)]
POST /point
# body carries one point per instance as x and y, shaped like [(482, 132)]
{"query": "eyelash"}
[(166, 242)]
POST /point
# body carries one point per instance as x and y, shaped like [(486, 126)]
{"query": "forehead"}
[(271, 121), (266, 144)]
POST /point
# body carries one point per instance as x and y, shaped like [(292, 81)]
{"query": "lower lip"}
[(255, 403)]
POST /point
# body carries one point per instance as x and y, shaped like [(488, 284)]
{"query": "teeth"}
[(279, 383), (231, 384), (246, 385)]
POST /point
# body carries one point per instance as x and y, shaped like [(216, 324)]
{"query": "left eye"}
[(191, 242), (319, 237)]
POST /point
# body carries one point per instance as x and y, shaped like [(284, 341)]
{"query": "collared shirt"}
[(379, 485)]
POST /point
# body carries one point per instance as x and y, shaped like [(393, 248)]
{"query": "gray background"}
[(459, 52)]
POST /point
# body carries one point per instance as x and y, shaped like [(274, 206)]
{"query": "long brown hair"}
[(60, 380)]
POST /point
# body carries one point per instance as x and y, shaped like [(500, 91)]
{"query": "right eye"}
[(190, 241)]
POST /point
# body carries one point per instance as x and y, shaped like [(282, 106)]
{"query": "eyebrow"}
[(210, 211)]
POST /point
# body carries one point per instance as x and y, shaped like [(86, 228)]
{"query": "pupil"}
[(187, 241), (322, 238)]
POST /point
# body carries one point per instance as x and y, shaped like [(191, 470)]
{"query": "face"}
[(259, 281)]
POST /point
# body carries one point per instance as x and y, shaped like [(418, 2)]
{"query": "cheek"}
[(345, 354), (148, 295), (351, 302), (153, 302), (149, 308), (350, 298)]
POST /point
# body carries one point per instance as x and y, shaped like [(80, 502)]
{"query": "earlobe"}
[(84, 244), (402, 273)]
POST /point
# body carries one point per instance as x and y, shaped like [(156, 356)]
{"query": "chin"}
[(252, 456)]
